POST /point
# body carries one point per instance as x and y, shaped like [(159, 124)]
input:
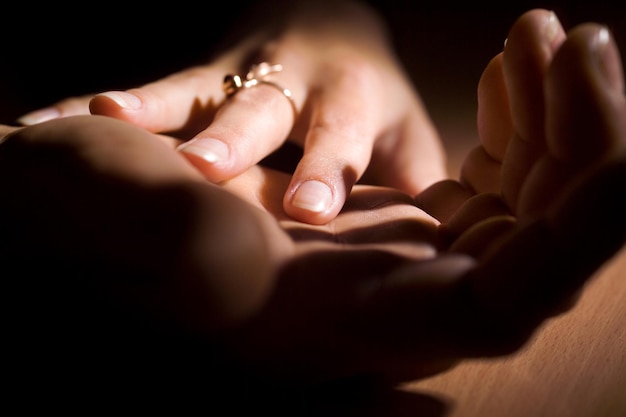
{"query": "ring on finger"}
[(257, 74)]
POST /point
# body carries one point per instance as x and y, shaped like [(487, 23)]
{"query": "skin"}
[(358, 115), (391, 287)]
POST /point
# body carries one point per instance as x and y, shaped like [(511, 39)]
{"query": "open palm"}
[(203, 278)]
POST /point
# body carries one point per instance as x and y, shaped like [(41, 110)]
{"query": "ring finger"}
[(256, 118)]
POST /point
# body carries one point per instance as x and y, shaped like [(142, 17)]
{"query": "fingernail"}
[(123, 99), (552, 27), (39, 116), (211, 150), (603, 37), (607, 59), (314, 196)]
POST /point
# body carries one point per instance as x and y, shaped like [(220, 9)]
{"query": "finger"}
[(359, 305), (481, 168), (5, 131), (536, 271), (541, 268), (337, 146), (407, 323), (468, 223), (375, 217), (586, 109), (176, 103), (481, 172), (410, 155), (72, 106), (183, 102), (495, 127), (585, 97), (481, 234), (365, 123), (393, 223), (442, 199), (531, 43), (251, 124), (484, 310)]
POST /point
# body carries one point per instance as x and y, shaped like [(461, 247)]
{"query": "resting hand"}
[(354, 111), (518, 239), (141, 245), (550, 168)]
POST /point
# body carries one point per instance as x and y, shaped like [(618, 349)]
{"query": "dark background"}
[(58, 50)]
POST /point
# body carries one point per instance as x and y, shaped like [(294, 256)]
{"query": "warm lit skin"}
[(366, 292), (353, 100)]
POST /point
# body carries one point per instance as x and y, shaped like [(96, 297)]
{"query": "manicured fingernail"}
[(39, 116), (123, 99), (314, 196), (211, 150)]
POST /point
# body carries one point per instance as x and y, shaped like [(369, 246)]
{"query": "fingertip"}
[(608, 58), (532, 42), (314, 196), (540, 23), (442, 199), (584, 96), (70, 106), (39, 116), (207, 149), (212, 157), (114, 103), (494, 122), (313, 201)]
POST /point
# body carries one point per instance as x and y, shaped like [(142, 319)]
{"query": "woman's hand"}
[(351, 108)]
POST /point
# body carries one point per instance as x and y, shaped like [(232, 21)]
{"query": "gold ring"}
[(257, 75)]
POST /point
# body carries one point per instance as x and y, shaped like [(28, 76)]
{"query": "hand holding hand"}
[(382, 289)]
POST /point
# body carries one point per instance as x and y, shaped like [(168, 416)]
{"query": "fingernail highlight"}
[(123, 99), (211, 150), (313, 196), (552, 26), (39, 116), (606, 59)]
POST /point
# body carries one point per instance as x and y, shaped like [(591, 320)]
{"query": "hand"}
[(357, 115), (551, 164), (368, 293)]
